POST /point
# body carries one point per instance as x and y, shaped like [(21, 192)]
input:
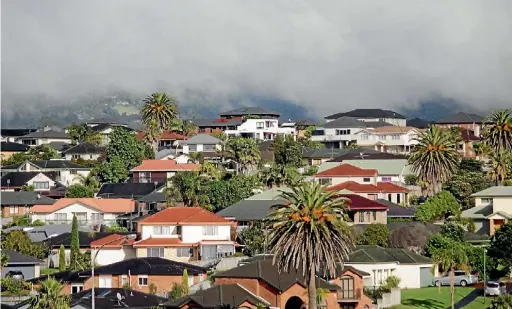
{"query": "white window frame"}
[(214, 230), (104, 280), (124, 280), (161, 230), (60, 216), (260, 125), (79, 288), (180, 252), (365, 179), (13, 210), (41, 185), (139, 277)]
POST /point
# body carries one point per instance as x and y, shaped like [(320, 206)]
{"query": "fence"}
[(390, 299)]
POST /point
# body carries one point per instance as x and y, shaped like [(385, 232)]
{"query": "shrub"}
[(152, 288), (411, 179), (375, 235), (14, 287), (391, 282)]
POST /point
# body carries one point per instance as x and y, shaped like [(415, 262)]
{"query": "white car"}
[(492, 289)]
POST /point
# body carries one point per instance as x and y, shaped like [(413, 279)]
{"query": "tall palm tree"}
[(500, 166), (50, 296), (89, 181), (435, 157), (498, 130), (309, 233), (161, 108), (482, 150)]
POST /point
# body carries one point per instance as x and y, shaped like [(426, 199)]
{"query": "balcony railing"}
[(349, 295)]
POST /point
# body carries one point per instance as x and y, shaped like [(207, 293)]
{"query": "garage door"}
[(425, 277)]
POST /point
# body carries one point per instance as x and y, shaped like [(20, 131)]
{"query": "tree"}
[(501, 244), (498, 131), (504, 301), (74, 264), (41, 152), (287, 151), (482, 150), (83, 133), (309, 233), (160, 108), (413, 237), (78, 191), (152, 133), (125, 146), (253, 239), (28, 188), (189, 188), (19, 241), (470, 165), (226, 192), (244, 151), (90, 181), (50, 296), (463, 184), (152, 288), (186, 127), (439, 207), (453, 231), (278, 175), (500, 165), (177, 291), (113, 171), (209, 170), (375, 235), (4, 260), (435, 157), (116, 229), (184, 281), (411, 179), (62, 258)]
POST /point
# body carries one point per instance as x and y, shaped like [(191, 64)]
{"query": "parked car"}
[(492, 288), (461, 278), (15, 274)]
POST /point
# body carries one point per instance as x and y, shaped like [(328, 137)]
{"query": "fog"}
[(325, 55)]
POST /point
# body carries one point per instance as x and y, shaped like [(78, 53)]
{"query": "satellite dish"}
[(119, 297)]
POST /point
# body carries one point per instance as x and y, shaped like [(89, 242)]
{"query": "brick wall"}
[(21, 210)]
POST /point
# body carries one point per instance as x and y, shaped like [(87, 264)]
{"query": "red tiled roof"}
[(112, 241), (165, 135), (389, 187), (164, 166), (161, 242), (357, 202), (381, 187), (115, 205), (347, 170), (184, 216)]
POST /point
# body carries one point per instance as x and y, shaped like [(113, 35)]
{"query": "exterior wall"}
[(69, 178), (358, 287), (378, 272), (395, 142), (112, 255), (250, 127), (41, 178), (338, 180), (199, 148), (194, 233), (170, 253), (482, 226), (475, 127), (331, 136), (43, 141), (393, 121), (410, 275), (17, 210), (29, 271), (503, 204), (88, 156), (70, 210), (147, 231), (368, 218), (149, 177)]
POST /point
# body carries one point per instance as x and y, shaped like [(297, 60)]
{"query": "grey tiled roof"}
[(47, 134), (202, 139), (249, 210), (24, 198), (495, 191), (248, 111), (461, 118), (376, 254), (395, 210), (84, 148), (368, 113), (19, 258), (49, 164), (345, 122)]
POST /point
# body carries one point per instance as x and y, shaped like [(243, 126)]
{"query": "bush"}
[(391, 282), (411, 179), (14, 287), (152, 288), (502, 301), (375, 235), (439, 207)]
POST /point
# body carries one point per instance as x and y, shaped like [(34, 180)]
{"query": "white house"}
[(14, 181), (202, 143), (89, 211), (389, 170), (43, 136), (185, 234), (372, 115), (414, 270), (114, 248), (84, 151), (393, 139), (261, 129)]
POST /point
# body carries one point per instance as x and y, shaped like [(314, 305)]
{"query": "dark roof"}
[(376, 254), (216, 297), (19, 179), (62, 276), (16, 132), (153, 197), (419, 123), (102, 121), (368, 113), (344, 122), (16, 258), (265, 270), (330, 152), (13, 147), (127, 190), (395, 210), (461, 118), (106, 298), (59, 146), (102, 126), (242, 111), (249, 210), (367, 155), (202, 138), (215, 122), (48, 164), (85, 148), (468, 135), (24, 198), (355, 271), (47, 134), (85, 239)]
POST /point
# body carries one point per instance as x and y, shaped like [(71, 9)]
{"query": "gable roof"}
[(270, 194), (16, 132), (478, 212), (347, 170), (376, 254), (84, 148), (264, 269), (242, 111), (218, 296), (249, 210), (164, 166), (165, 152), (112, 241), (384, 187), (344, 122), (461, 117), (13, 147), (358, 202), (106, 298), (49, 164), (326, 153), (397, 211), (127, 190), (184, 215), (102, 205), (16, 258), (154, 196), (202, 139), (85, 239), (469, 135), (41, 233), (419, 123), (47, 134), (368, 113), (494, 191), (24, 198), (368, 155), (19, 179), (393, 129)]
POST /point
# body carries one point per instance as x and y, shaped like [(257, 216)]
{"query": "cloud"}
[(325, 55)]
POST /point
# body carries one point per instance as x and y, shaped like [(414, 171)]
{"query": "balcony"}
[(349, 296)]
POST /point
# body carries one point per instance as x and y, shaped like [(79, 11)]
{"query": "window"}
[(269, 124), (60, 217), (90, 157), (155, 252), (342, 132), (374, 215), (75, 156), (260, 125), (382, 137), (13, 209), (325, 181), (192, 148), (361, 217), (76, 288), (143, 280), (209, 147), (372, 197), (124, 280), (486, 200), (210, 230), (80, 216), (38, 185), (161, 230), (73, 172), (184, 252), (365, 137), (390, 198), (317, 133), (395, 137), (97, 217), (105, 281), (386, 179), (142, 175), (366, 179), (398, 198), (347, 287)]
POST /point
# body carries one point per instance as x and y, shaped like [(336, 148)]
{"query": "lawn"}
[(48, 271), (429, 298)]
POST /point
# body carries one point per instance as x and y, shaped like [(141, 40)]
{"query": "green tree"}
[(253, 238), (500, 165), (116, 229), (78, 191), (74, 264), (411, 179), (244, 151), (184, 281), (287, 151), (209, 170), (501, 244), (187, 127), (62, 258), (188, 187), (16, 158), (152, 133), (125, 146), (277, 175), (19, 241), (435, 158), (309, 233), (498, 131), (438, 207), (470, 165), (504, 301), (82, 133), (375, 235), (226, 192), (28, 188), (453, 231), (177, 291), (463, 184), (41, 152), (4, 259), (50, 296), (90, 181), (160, 108), (14, 287), (152, 288), (113, 171)]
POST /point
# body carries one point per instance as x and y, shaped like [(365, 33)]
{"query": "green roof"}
[(376, 254), (271, 194), (495, 191), (384, 167)]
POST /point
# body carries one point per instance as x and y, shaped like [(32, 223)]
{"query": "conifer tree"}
[(184, 282), (62, 258), (74, 263)]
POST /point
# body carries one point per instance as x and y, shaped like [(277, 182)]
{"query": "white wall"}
[(410, 275), (41, 178), (148, 231), (108, 256), (194, 233), (67, 178), (330, 134), (378, 272), (91, 156), (70, 210), (338, 180)]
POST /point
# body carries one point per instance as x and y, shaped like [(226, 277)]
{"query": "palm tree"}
[(50, 296), (309, 233), (482, 150), (195, 157), (209, 170), (244, 151), (161, 108), (498, 130), (89, 181), (152, 133), (499, 166), (435, 158)]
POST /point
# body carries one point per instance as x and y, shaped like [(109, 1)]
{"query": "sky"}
[(326, 55)]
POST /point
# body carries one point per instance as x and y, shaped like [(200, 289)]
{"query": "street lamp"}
[(485, 277), (129, 236)]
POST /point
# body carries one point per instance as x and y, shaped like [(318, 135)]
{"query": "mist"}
[(326, 56)]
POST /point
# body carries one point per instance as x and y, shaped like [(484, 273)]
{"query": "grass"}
[(128, 109), (48, 271), (429, 298)]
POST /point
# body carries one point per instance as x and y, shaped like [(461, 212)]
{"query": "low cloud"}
[(327, 55)]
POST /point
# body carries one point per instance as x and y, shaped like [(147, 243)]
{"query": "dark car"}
[(15, 274)]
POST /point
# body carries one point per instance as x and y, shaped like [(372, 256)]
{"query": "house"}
[(466, 147), (29, 266), (368, 154), (462, 120), (104, 127), (184, 234), (492, 209), (372, 115), (84, 151), (341, 132), (216, 125), (113, 248), (257, 123), (107, 298), (346, 172), (318, 156), (20, 203), (380, 190), (89, 211), (419, 123), (138, 274), (167, 140), (158, 171), (393, 139), (10, 135), (295, 127), (396, 211), (44, 136), (8, 149), (66, 171), (43, 183), (202, 143), (42, 233), (132, 190), (389, 170), (414, 270), (361, 210), (247, 211)]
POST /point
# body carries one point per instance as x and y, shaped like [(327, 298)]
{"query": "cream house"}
[(66, 172), (393, 139)]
